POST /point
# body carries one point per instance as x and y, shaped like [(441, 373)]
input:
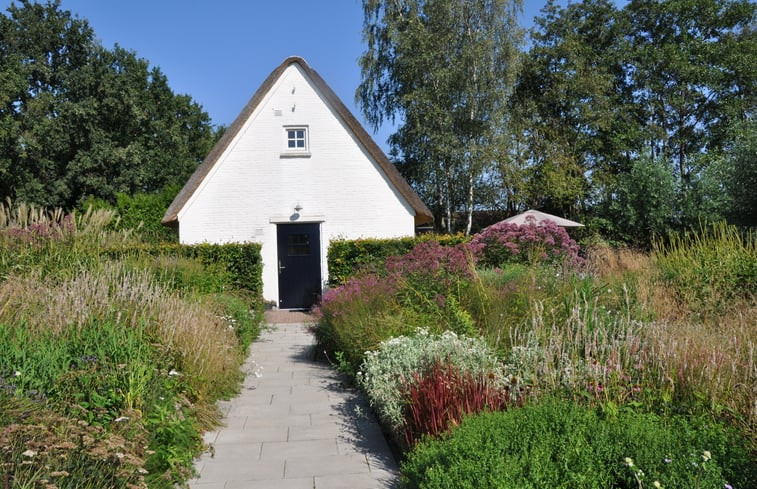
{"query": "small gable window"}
[(296, 138), (295, 141)]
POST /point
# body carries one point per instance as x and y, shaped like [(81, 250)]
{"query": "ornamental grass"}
[(202, 344), (110, 367)]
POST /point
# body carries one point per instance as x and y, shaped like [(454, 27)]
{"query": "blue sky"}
[(219, 52)]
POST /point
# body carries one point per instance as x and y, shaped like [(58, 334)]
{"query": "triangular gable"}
[(422, 213)]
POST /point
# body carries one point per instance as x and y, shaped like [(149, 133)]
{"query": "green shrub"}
[(557, 444), (347, 257), (142, 212), (643, 202), (242, 261), (145, 212), (174, 440)]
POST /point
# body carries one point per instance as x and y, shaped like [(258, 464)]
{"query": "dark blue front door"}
[(299, 247)]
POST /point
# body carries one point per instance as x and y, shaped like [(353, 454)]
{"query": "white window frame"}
[(303, 151)]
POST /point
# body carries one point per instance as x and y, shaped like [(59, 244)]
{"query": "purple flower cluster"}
[(432, 260), (358, 286), (39, 232), (530, 243), (354, 293)]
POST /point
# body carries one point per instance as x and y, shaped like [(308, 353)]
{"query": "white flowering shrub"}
[(385, 370)]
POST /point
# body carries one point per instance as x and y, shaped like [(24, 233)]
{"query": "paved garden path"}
[(295, 424)]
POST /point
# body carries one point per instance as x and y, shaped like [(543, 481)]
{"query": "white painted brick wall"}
[(252, 184)]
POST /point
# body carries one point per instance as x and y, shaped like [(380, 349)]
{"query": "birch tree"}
[(443, 70)]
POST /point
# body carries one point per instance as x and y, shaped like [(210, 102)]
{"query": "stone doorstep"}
[(279, 316)]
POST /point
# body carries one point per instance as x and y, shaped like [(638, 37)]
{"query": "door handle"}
[(281, 267)]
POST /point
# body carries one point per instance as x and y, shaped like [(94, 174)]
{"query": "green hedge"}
[(242, 262), (142, 211), (348, 256), (145, 212)]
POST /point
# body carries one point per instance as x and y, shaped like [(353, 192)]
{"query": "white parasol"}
[(537, 217)]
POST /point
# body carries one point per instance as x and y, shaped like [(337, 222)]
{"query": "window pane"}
[(300, 143), (290, 143), (301, 134), (290, 134), (298, 245)]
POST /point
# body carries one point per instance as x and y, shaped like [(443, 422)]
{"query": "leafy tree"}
[(692, 83), (643, 205), (77, 119), (729, 183), (569, 101), (40, 47), (604, 89), (693, 74), (444, 68)]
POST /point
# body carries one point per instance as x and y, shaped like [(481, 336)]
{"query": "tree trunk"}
[(469, 225), (448, 201)]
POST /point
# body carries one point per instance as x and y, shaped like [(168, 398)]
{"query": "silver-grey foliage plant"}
[(385, 370)]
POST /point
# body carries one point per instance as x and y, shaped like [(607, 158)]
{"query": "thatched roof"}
[(422, 213)]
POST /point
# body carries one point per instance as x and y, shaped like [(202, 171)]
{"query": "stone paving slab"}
[(295, 425)]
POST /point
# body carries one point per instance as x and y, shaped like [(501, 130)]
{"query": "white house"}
[(294, 171)]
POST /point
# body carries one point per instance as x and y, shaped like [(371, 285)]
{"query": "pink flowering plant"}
[(39, 234), (530, 243), (432, 280), (422, 288), (356, 316), (431, 271)]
